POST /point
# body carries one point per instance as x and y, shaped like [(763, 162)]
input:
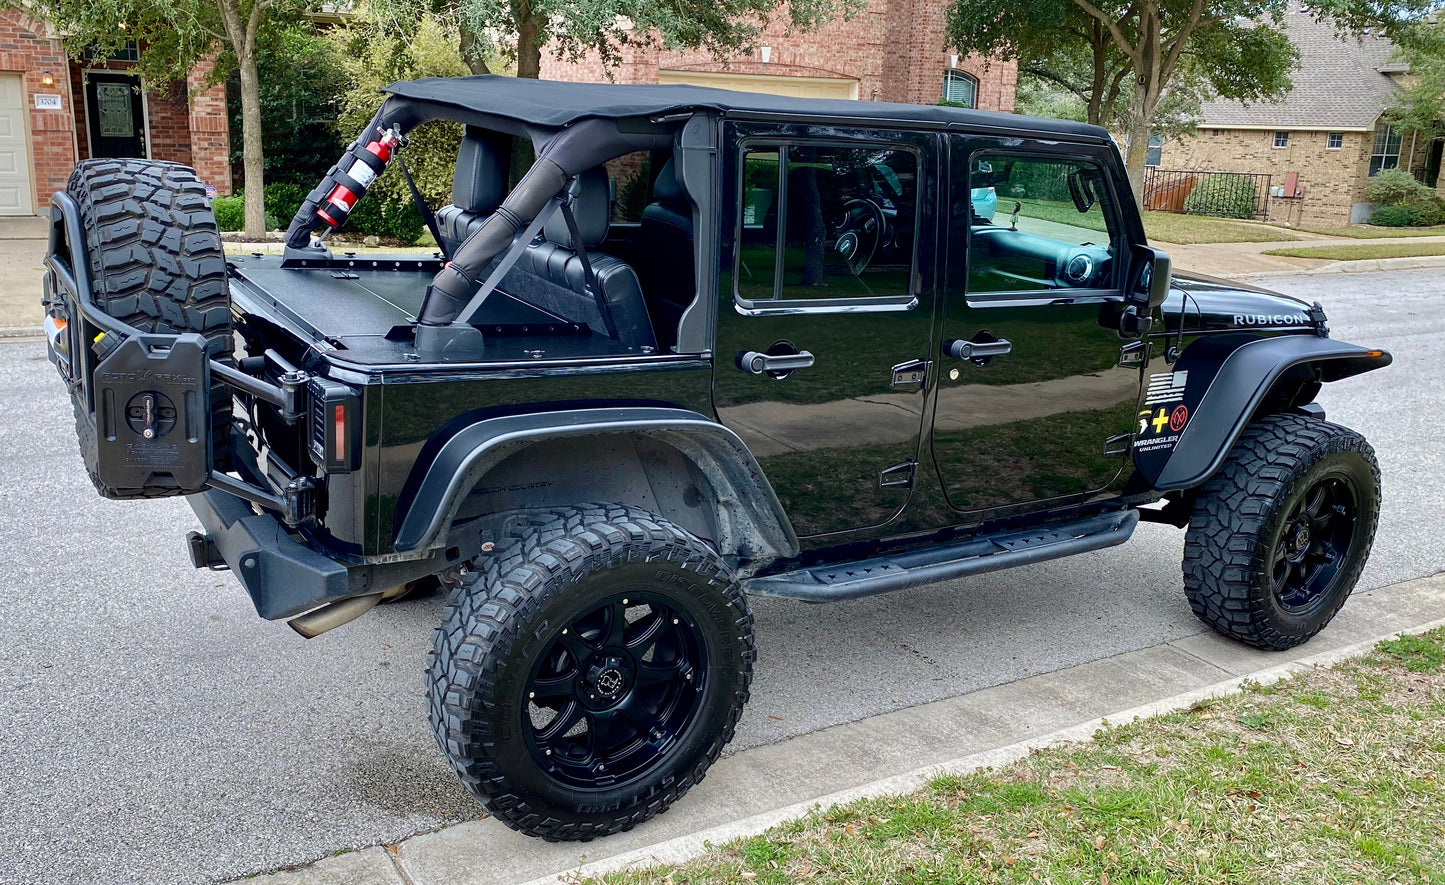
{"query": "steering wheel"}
[(863, 229)]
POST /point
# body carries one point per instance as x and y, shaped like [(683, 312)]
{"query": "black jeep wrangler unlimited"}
[(710, 344)]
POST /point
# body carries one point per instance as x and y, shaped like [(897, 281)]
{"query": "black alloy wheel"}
[(617, 687), (1314, 540)]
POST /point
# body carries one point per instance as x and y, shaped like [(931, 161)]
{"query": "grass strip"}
[(1361, 251), (1368, 232), (1333, 776), (1184, 230)]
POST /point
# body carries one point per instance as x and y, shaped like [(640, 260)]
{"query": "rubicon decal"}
[(1271, 319)]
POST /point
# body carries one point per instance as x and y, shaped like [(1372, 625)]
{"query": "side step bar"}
[(883, 574)]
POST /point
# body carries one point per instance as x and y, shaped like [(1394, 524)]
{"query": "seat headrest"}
[(480, 182), (666, 188), (591, 193)]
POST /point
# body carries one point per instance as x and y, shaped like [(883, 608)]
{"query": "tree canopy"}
[(518, 30), (1092, 48)]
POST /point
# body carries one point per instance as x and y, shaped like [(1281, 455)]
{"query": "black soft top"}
[(555, 104)]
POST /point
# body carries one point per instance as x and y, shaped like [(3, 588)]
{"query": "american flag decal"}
[(1166, 387)]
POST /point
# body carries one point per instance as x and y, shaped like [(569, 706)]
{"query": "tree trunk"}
[(1141, 125), (529, 47), (253, 158), (470, 47)]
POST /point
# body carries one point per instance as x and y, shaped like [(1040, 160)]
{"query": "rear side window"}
[(826, 222)]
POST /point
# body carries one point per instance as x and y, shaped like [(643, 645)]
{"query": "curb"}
[(685, 848), (9, 333)]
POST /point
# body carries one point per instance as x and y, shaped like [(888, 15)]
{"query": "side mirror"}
[(1149, 279)]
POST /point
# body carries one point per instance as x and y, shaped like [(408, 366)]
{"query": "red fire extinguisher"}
[(342, 199)]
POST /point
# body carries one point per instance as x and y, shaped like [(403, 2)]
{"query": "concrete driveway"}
[(157, 731), (22, 256)]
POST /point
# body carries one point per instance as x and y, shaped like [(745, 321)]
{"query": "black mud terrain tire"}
[(156, 263), (1279, 535), (526, 647)]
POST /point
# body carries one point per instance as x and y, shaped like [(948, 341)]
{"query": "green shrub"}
[(1391, 216), (1395, 187), (1427, 212), (230, 212), (282, 201), (1224, 195)]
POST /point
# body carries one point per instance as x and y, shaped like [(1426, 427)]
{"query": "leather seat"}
[(665, 264), (554, 260), (478, 185)]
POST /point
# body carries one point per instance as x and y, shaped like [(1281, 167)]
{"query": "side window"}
[(1040, 223), (630, 174), (824, 222)]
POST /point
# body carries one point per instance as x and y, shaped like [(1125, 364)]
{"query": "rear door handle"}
[(756, 363), (976, 350)]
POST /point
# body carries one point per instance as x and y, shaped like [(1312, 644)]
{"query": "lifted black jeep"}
[(711, 344)]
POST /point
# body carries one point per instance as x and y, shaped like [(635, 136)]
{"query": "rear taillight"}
[(335, 426)]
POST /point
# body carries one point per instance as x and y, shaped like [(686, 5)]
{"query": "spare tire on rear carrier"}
[(137, 302)]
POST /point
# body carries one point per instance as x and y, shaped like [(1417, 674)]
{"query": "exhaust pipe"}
[(333, 615)]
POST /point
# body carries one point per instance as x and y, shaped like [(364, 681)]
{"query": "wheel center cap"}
[(607, 679), (1301, 538), (609, 682)]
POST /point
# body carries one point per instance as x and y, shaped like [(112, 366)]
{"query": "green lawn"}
[(1330, 777), (1170, 227), (1367, 232), (1362, 251)]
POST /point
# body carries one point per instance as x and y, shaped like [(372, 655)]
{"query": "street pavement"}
[(155, 730)]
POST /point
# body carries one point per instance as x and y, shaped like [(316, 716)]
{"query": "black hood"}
[(1210, 304)]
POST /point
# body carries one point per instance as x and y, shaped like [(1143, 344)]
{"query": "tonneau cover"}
[(555, 104)]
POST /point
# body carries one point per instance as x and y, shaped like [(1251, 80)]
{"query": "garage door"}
[(798, 87), (14, 156)]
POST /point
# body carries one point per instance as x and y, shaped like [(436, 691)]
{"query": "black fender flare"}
[(754, 523), (1221, 401)]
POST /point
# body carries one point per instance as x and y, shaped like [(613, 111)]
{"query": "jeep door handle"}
[(756, 363), (976, 350)]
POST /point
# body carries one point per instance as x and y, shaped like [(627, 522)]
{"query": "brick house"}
[(1329, 131), (892, 50), (55, 112)]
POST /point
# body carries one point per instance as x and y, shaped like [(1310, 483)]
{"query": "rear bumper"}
[(283, 577)]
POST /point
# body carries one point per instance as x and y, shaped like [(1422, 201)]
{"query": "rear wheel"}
[(156, 263), (590, 675), (1280, 534)]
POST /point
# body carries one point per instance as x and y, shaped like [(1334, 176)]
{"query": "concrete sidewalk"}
[(761, 787)]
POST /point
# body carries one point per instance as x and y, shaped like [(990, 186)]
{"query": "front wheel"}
[(1280, 534), (591, 673)]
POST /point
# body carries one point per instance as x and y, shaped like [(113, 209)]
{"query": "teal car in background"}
[(985, 202)]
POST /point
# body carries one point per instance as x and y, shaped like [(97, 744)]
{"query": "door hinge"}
[(898, 476), (1133, 354), (1118, 445), (910, 375)]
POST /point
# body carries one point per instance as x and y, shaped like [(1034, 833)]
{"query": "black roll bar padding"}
[(577, 148), (454, 285)]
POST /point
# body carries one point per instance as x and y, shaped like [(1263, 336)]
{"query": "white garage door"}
[(798, 87), (14, 155)]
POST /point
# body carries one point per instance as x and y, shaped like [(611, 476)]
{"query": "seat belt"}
[(588, 275), (519, 245), (427, 217)]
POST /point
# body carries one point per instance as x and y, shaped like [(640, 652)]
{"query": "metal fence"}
[(1200, 192)]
